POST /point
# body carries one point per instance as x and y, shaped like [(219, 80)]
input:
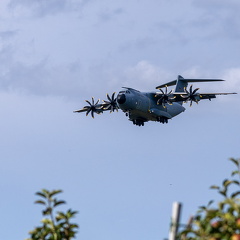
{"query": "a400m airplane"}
[(141, 107)]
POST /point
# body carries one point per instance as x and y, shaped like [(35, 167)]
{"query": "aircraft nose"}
[(121, 99)]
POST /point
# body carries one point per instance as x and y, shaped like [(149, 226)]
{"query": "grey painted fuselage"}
[(143, 107)]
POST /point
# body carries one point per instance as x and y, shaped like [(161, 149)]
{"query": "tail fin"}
[(181, 83)]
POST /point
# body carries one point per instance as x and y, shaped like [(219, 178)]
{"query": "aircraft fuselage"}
[(141, 107)]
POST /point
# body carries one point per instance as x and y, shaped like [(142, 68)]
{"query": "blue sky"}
[(121, 178)]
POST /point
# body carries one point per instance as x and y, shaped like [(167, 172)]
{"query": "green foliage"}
[(221, 222), (55, 226)]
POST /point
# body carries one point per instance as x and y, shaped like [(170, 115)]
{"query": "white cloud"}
[(6, 35), (232, 77), (216, 4), (144, 76), (44, 7), (41, 79), (222, 16), (108, 14)]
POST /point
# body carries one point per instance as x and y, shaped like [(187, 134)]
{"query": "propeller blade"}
[(113, 96), (92, 108), (88, 111), (195, 90), (111, 104), (164, 97), (109, 98), (191, 96), (162, 91), (88, 102), (190, 89)]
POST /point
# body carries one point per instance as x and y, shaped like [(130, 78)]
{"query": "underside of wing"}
[(212, 95), (193, 96), (81, 110), (190, 95), (181, 96)]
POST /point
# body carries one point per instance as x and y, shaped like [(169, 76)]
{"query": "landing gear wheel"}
[(162, 120), (138, 122)]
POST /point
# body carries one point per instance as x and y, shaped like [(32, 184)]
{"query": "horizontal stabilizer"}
[(187, 80)]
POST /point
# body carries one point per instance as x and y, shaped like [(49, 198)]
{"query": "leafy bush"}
[(221, 222), (55, 226)]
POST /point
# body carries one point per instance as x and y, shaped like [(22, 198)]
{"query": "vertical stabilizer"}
[(181, 84)]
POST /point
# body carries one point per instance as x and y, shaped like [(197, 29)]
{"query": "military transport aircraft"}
[(141, 107)]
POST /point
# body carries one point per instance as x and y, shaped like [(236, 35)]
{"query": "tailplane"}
[(182, 83)]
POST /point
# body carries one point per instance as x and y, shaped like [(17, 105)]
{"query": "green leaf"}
[(235, 172), (46, 221), (224, 193), (40, 202), (236, 162), (210, 203), (221, 205), (54, 192), (236, 182), (202, 208), (74, 226), (214, 187), (59, 203), (226, 182), (71, 213), (47, 211), (235, 194), (41, 194)]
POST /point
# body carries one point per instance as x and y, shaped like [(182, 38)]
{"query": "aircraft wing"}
[(182, 96), (212, 95), (81, 110)]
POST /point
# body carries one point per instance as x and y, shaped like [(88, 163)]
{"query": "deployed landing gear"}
[(138, 122), (162, 120)]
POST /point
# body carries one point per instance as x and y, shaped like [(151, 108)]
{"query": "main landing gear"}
[(138, 122), (162, 120)]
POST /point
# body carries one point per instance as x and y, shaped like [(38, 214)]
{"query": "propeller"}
[(93, 108), (164, 97), (111, 104), (192, 95)]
